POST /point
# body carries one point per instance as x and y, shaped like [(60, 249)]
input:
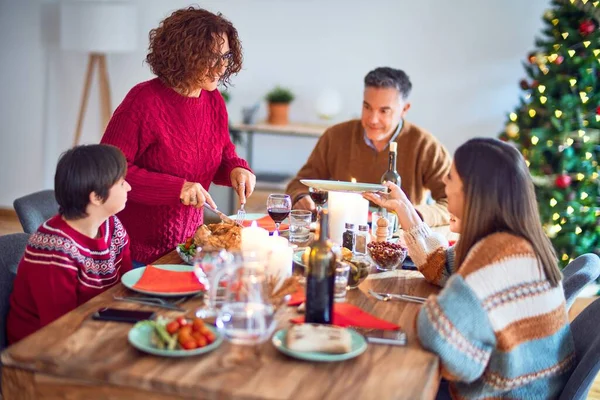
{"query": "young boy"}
[(80, 252)]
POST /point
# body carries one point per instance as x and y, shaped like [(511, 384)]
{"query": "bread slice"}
[(319, 338)]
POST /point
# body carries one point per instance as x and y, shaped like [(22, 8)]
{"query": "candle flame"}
[(353, 180), (254, 224)]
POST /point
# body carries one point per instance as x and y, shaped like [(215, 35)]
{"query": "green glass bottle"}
[(320, 276)]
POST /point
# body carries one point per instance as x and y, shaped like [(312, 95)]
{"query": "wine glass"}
[(319, 197), (279, 207)]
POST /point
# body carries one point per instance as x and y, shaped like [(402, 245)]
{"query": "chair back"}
[(587, 348), (12, 248), (35, 208), (578, 274)]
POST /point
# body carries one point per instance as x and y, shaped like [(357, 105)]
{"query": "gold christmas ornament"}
[(512, 130)]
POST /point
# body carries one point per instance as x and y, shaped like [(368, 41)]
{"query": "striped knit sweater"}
[(498, 326), (62, 269)]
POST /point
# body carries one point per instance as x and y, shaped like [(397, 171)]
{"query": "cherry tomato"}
[(182, 321), (189, 242), (210, 337), (189, 345), (200, 339), (205, 331), (185, 330), (184, 337), (197, 325), (172, 327)]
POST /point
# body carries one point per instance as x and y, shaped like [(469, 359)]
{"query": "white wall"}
[(463, 57)]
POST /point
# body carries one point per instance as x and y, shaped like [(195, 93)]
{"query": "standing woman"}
[(174, 132)]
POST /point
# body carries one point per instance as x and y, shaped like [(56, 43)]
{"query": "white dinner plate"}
[(342, 186)]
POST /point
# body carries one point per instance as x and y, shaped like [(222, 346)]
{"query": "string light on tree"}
[(512, 130)]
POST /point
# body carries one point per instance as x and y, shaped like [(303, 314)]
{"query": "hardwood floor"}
[(9, 223)]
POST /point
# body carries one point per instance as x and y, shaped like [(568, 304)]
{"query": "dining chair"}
[(35, 208), (580, 272), (12, 247), (587, 348)]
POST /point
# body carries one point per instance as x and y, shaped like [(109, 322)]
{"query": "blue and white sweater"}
[(500, 329)]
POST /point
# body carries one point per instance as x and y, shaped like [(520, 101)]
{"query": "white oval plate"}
[(342, 186), (358, 346)]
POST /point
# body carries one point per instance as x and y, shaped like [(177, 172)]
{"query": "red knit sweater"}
[(169, 139), (62, 269)]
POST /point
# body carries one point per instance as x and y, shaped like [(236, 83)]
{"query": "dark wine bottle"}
[(391, 175), (320, 276)]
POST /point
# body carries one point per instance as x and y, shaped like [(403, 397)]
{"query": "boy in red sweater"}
[(80, 252)]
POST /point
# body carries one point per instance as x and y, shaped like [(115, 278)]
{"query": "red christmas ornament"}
[(563, 181), (598, 110), (524, 85), (559, 60), (535, 84), (587, 27)]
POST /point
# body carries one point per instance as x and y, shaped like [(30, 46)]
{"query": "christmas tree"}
[(557, 123)]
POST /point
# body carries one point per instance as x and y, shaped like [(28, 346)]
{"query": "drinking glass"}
[(247, 316), (207, 263), (300, 226), (279, 207)]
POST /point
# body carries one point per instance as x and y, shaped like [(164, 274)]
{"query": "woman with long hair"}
[(499, 324), (174, 132)]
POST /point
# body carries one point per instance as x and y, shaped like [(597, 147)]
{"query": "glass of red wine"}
[(319, 197), (279, 207)]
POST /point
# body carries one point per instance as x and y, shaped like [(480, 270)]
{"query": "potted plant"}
[(279, 100)]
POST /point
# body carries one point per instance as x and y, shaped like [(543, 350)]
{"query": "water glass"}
[(342, 272), (300, 225), (207, 264), (247, 316)]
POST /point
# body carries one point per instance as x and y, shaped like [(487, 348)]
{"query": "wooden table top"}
[(93, 359)]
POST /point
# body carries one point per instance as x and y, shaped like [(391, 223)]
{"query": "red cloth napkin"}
[(345, 315), (266, 223), (297, 298), (164, 281)]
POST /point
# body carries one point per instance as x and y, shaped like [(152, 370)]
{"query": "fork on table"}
[(392, 296)]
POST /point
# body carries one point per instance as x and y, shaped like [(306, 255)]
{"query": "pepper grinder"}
[(381, 233)]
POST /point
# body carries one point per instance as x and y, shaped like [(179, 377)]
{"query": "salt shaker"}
[(363, 237)]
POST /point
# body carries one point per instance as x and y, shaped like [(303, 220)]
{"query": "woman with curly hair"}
[(174, 132)]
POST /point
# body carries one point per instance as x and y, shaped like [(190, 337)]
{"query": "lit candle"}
[(254, 238), (345, 208)]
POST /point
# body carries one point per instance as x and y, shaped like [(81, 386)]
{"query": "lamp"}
[(97, 28)]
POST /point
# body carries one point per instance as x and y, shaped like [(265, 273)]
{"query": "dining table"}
[(77, 357)]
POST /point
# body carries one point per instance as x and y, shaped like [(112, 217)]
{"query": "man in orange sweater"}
[(358, 149)]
